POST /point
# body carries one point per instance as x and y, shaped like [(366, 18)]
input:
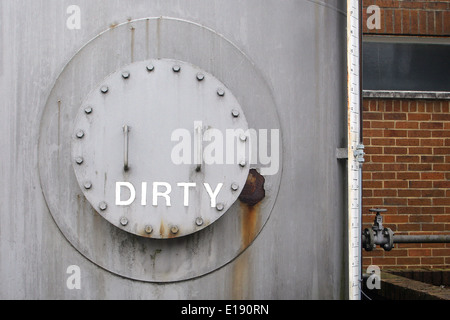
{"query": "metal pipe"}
[(422, 239)]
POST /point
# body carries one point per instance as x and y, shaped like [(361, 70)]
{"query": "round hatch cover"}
[(160, 148)]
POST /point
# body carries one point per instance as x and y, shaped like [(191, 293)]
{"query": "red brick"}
[(395, 201), (420, 218), (382, 124), (431, 125), (383, 176), (373, 167), (408, 193), (433, 193), (441, 184), (440, 134), (432, 142), (442, 218), (440, 117), (408, 142), (441, 151), (385, 142), (409, 227), (433, 260), (420, 184), (408, 261), (373, 184), (419, 116), (419, 167), (373, 116), (395, 150), (406, 125), (432, 159), (433, 210), (432, 175), (395, 116), (441, 201), (419, 202), (433, 227), (395, 133), (419, 252), (394, 167), (441, 252), (384, 159), (407, 159), (441, 167), (408, 175), (395, 184), (420, 150)]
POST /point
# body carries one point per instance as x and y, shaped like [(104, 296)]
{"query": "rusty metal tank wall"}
[(284, 61)]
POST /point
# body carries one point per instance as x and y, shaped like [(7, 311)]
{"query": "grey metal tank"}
[(112, 118)]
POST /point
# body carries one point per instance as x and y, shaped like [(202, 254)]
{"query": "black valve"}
[(378, 235)]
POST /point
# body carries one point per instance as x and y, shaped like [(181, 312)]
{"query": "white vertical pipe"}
[(354, 167)]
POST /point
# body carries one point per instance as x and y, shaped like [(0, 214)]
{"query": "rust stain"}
[(250, 223), (113, 25), (241, 278), (250, 207), (251, 196), (132, 43), (253, 191), (162, 229)]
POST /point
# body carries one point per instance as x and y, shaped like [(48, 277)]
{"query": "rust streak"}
[(250, 223), (250, 207), (132, 43), (162, 229)]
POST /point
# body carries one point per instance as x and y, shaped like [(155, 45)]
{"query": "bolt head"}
[(125, 74), (80, 134), (87, 185), (199, 221), (104, 89), (174, 229), (220, 92), (200, 76), (150, 68), (176, 68), (235, 113), (243, 163), (88, 110), (220, 207), (103, 206), (243, 137), (79, 160), (123, 221), (235, 187), (148, 229)]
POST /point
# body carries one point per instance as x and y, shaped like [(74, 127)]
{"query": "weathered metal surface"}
[(294, 54), (140, 147), (81, 86)]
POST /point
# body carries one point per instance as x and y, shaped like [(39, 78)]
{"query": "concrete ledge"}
[(394, 287), (413, 95)]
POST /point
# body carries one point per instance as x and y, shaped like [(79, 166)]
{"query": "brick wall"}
[(407, 168), (401, 17), (407, 171)]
